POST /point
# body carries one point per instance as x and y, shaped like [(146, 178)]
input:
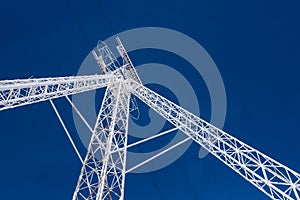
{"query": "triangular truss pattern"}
[(268, 175), (104, 167), (103, 172)]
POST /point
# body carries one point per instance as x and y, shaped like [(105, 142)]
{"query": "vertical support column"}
[(103, 173)]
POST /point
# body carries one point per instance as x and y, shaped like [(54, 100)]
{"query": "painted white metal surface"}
[(103, 172), (104, 167), (268, 175), (21, 92)]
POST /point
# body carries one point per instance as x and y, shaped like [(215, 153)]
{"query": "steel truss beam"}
[(21, 92), (271, 177), (103, 173)]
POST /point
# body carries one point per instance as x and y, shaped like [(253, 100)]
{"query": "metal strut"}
[(271, 177)]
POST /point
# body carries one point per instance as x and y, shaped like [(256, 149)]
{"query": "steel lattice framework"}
[(15, 93), (104, 167), (104, 179)]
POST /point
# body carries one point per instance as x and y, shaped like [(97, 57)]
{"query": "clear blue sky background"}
[(255, 45)]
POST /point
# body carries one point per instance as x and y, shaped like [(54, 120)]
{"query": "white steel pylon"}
[(104, 167)]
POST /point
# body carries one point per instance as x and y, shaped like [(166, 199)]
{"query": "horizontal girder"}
[(21, 92)]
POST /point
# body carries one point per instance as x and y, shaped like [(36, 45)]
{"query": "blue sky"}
[(255, 45)]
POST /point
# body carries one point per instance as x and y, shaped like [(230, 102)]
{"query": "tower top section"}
[(109, 63)]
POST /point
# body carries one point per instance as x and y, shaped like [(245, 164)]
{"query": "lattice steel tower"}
[(104, 166)]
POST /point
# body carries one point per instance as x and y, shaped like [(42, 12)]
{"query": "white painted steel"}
[(271, 177), (14, 93), (104, 167)]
